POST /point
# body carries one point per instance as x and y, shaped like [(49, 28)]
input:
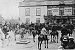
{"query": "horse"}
[(54, 34), (42, 37), (11, 37)]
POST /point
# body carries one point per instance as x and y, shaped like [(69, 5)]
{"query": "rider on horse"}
[(43, 37)]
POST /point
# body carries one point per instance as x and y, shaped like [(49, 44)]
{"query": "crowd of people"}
[(8, 32)]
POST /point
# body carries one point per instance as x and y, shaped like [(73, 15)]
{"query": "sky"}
[(9, 8)]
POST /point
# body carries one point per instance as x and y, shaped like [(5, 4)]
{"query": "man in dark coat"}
[(54, 28), (5, 31), (70, 28), (34, 34), (64, 31)]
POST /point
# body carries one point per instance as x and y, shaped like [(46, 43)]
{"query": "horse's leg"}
[(47, 43), (51, 38), (38, 44), (34, 38), (71, 33), (57, 38)]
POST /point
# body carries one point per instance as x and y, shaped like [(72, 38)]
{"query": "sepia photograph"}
[(37, 24)]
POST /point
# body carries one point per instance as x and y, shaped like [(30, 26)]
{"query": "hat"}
[(71, 38)]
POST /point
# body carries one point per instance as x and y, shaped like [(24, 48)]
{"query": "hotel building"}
[(36, 11)]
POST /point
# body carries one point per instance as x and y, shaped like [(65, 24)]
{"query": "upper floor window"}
[(38, 12), (27, 11)]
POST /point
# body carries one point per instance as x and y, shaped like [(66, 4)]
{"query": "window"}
[(37, 20), (49, 12), (27, 20), (27, 11), (38, 11)]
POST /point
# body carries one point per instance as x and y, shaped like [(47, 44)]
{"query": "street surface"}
[(33, 45)]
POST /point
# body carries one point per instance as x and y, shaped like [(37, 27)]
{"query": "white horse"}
[(11, 37)]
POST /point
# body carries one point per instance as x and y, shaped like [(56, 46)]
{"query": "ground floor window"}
[(27, 20), (37, 20)]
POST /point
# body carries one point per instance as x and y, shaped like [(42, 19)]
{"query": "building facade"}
[(35, 10)]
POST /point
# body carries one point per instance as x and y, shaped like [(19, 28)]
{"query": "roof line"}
[(38, 5)]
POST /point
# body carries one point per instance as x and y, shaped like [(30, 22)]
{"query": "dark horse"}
[(54, 34), (42, 38)]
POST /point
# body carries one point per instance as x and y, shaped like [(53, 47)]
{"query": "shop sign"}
[(68, 11), (68, 2), (55, 11)]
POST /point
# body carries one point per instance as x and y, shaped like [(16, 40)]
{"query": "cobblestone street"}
[(34, 45)]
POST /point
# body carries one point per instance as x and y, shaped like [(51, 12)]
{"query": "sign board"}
[(68, 11), (55, 2), (51, 2), (55, 11), (68, 2)]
